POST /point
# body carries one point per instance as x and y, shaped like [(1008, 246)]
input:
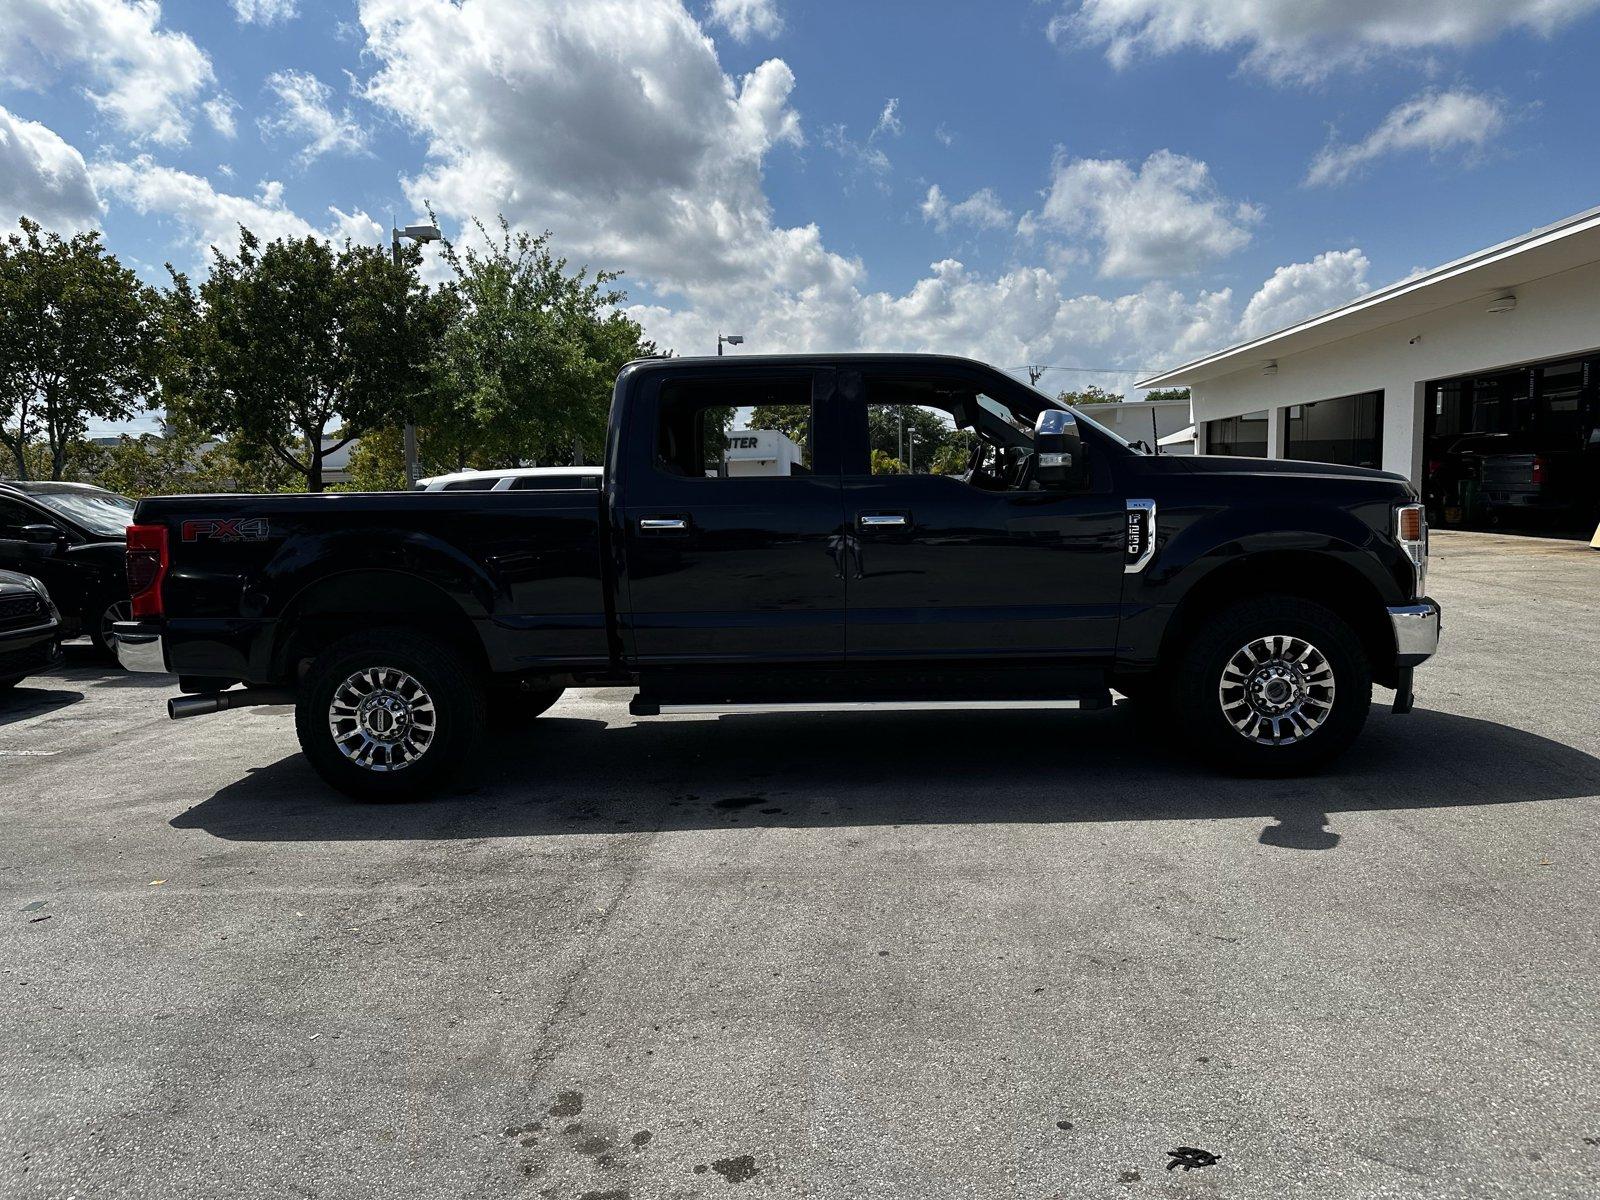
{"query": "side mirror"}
[(1059, 462), (42, 534)]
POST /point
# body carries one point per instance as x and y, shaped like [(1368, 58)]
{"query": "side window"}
[(939, 428), (737, 429), (482, 484), (13, 517)]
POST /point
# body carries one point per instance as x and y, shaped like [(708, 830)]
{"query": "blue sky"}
[(1116, 184)]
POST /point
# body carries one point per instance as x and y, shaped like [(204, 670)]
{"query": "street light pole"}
[(418, 234), (733, 339)]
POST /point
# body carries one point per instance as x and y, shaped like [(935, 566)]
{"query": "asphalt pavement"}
[(920, 955)]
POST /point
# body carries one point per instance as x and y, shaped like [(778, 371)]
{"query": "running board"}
[(641, 706)]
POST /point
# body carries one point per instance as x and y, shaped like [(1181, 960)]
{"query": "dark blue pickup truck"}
[(754, 544)]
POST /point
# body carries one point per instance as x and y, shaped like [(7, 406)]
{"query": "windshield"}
[(104, 514)]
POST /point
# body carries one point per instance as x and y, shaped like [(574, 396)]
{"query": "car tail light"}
[(147, 567), (1411, 531), (1538, 471)]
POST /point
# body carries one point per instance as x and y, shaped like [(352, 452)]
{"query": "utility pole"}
[(419, 234), (1034, 373)]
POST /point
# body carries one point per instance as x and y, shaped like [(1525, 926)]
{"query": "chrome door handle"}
[(882, 520), (663, 525)]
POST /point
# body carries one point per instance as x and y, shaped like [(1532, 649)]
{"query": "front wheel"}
[(389, 715), (1273, 686)]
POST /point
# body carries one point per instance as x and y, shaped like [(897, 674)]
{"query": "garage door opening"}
[(1515, 448)]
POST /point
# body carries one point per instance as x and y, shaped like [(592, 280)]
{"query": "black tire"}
[(1314, 731), (513, 709), (97, 623), (412, 677)]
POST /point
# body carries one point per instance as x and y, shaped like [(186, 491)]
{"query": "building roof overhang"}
[(1486, 274)]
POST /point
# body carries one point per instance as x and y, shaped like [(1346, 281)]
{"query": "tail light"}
[(147, 567), (1538, 471), (1411, 531)]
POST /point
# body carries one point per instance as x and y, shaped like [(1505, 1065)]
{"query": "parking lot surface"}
[(996, 954)]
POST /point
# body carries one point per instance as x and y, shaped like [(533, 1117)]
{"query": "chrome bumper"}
[(1416, 631), (139, 647)]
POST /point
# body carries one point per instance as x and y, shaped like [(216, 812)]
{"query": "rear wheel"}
[(389, 715), (1273, 686), (102, 630)]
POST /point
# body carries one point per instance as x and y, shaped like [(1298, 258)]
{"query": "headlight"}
[(1411, 531), (44, 594)]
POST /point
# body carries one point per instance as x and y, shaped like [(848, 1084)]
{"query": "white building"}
[(1147, 421), (1501, 347)]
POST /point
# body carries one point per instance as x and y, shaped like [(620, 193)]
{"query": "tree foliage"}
[(76, 343), (529, 359), (1090, 395), (1167, 394), (295, 348)]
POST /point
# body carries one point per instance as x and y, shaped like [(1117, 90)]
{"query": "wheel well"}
[(1310, 576), (357, 601)]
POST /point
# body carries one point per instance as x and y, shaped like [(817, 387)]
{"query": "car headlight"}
[(1411, 531), (44, 594)]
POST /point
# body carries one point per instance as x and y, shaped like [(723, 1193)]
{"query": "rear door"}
[(732, 526)]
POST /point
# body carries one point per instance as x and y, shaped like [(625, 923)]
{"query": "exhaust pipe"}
[(180, 707)]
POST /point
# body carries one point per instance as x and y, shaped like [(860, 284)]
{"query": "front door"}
[(956, 554), (733, 536)]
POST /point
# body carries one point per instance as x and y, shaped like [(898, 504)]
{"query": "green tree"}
[(1090, 395), (1167, 394), (293, 349), (77, 342), (378, 463), (529, 359)]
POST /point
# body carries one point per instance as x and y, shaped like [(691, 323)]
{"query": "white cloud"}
[(208, 218), (888, 120), (982, 209), (144, 78), (943, 135), (744, 19), (1166, 218), (646, 156), (1302, 290), (304, 113), (614, 126), (44, 178), (1433, 122), (1303, 39), (265, 12), (219, 111)]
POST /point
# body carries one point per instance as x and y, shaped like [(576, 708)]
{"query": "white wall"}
[(1555, 316), (1131, 419)]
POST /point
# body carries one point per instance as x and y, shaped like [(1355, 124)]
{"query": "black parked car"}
[(30, 628), (71, 537)]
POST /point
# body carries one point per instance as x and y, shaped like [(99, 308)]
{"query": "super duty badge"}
[(1141, 544)]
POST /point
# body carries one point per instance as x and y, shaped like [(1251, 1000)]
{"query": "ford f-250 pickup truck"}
[(790, 564)]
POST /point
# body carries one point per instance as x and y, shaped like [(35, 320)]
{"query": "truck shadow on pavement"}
[(579, 776)]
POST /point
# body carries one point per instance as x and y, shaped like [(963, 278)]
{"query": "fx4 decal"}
[(221, 529)]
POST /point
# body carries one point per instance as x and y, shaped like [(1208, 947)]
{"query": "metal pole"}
[(719, 345), (409, 436), (1155, 434)]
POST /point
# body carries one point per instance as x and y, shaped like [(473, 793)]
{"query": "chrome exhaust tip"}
[(180, 707)]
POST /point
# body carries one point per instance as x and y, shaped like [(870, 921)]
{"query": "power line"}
[(1041, 368)]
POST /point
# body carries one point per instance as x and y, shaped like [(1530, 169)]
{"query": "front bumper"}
[(139, 647), (1416, 631), (26, 651)]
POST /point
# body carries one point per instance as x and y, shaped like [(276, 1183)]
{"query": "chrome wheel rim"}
[(382, 719), (1276, 690), (122, 610)]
